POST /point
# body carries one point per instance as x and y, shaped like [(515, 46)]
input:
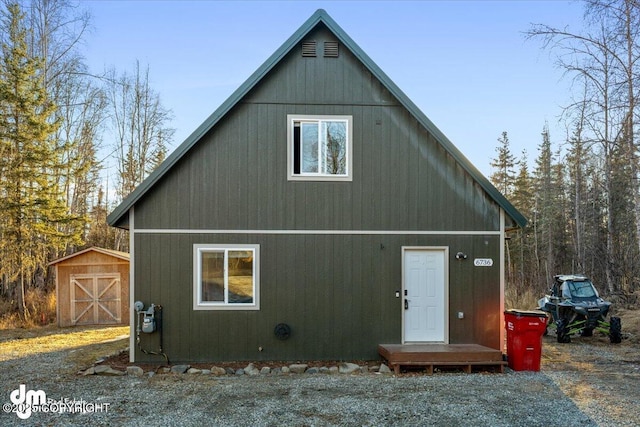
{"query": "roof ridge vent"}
[(331, 49), (309, 49)]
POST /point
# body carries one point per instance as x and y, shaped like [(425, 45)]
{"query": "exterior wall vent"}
[(331, 49), (309, 49)]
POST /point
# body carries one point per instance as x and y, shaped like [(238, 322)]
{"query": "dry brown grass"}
[(523, 300), (84, 344), (86, 355), (41, 310)]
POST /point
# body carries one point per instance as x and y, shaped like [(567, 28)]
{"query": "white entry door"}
[(424, 293)]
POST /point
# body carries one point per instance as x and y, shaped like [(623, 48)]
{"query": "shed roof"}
[(116, 217), (110, 252)]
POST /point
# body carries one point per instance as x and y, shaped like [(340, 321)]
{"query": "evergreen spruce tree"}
[(504, 175), (521, 240), (31, 209), (544, 210), (625, 248)]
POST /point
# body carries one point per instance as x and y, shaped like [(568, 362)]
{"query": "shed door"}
[(95, 299), (424, 295)]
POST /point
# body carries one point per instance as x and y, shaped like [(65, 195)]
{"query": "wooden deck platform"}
[(465, 356)]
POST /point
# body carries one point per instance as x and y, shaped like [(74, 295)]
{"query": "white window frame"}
[(198, 250), (318, 176)]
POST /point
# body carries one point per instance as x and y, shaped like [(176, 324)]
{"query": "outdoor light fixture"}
[(461, 256)]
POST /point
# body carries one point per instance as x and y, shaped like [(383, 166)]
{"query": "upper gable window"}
[(319, 148)]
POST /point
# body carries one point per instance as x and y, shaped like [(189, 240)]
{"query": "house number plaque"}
[(483, 262)]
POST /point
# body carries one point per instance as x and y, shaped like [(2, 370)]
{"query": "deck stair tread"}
[(433, 355)]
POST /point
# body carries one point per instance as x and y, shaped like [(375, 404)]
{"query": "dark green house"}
[(316, 214)]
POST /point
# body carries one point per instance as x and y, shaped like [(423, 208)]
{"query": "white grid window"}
[(226, 277), (319, 148)]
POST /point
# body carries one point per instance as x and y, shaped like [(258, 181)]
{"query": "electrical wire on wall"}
[(150, 323)]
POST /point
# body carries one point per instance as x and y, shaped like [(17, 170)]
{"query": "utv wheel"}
[(615, 330), (562, 332)]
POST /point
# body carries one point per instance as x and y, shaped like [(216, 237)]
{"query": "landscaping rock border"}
[(345, 368)]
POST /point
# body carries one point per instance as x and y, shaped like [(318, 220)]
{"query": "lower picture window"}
[(226, 277)]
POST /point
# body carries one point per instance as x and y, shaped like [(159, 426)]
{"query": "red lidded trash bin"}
[(524, 338)]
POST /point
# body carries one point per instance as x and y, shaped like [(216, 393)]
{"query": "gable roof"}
[(110, 252), (320, 16)]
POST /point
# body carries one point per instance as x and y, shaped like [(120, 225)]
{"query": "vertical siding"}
[(216, 186), (235, 177), (336, 291)]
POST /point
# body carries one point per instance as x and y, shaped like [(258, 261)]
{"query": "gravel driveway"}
[(585, 383)]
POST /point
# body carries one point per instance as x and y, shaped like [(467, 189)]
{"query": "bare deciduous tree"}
[(57, 30), (603, 62), (140, 123)]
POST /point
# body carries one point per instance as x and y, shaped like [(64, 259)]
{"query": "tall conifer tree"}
[(504, 176), (31, 209)]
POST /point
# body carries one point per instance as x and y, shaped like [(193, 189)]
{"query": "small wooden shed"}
[(92, 288)]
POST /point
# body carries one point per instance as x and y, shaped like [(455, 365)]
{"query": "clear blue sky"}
[(465, 64)]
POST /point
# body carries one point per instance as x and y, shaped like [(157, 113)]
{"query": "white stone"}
[(101, 368), (107, 370), (218, 371), (114, 372), (298, 368), (251, 369), (348, 368), (384, 369), (179, 369), (135, 371)]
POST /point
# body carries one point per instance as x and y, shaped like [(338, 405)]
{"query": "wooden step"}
[(465, 356)]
